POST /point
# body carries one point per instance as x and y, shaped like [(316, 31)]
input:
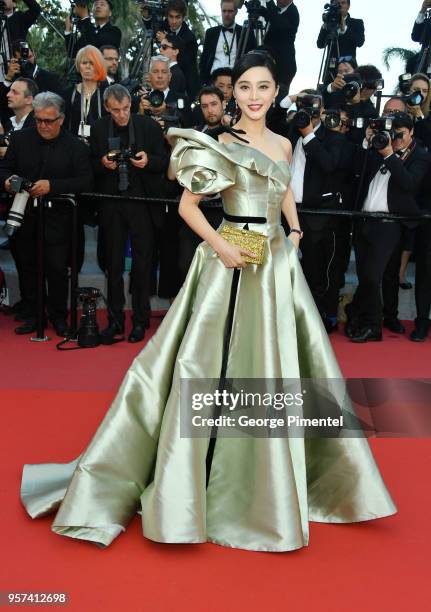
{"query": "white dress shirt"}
[(298, 166), (377, 197), (221, 60), (17, 125)]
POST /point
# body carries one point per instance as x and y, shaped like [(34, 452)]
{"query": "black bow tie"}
[(223, 29)]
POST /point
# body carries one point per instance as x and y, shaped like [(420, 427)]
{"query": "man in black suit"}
[(421, 33), (56, 162), (119, 218), (350, 33), (221, 43), (18, 25), (393, 177), (283, 22), (317, 157), (98, 35), (20, 102), (188, 60), (45, 80), (171, 47)]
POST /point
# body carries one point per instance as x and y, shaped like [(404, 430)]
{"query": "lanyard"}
[(85, 108), (226, 48)]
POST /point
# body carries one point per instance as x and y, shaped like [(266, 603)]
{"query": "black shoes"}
[(137, 334), (394, 325), (366, 334), (61, 327), (28, 327), (113, 333), (420, 332)]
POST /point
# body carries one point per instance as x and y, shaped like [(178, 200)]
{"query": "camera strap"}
[(131, 126)]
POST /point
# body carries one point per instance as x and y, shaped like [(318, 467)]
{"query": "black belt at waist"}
[(235, 219)]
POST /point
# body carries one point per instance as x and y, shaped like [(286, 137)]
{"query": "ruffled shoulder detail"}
[(205, 166)]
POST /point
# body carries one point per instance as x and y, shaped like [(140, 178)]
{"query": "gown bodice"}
[(251, 183)]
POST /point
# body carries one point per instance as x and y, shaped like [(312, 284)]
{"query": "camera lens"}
[(302, 119), (380, 140)]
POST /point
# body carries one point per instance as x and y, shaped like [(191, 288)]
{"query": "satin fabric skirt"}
[(262, 492)]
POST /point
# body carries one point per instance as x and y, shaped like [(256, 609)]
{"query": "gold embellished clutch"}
[(246, 239)]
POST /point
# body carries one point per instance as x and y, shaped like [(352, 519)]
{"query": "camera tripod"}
[(252, 25), (5, 44), (329, 58), (425, 53)]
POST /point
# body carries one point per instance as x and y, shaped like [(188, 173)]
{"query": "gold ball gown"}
[(262, 492)]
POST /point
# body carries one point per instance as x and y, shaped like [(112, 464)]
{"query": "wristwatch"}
[(296, 231)]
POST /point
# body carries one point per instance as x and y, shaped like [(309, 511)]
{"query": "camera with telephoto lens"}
[(88, 331), (155, 98), (21, 188), (383, 128), (332, 118), (122, 156), (308, 107), (332, 15), (352, 87)]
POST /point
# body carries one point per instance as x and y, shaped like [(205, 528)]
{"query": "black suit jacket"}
[(323, 163), (353, 38), (108, 35), (20, 22), (405, 180), (280, 39), (209, 49), (29, 122), (178, 80), (64, 161), (149, 137), (188, 58)]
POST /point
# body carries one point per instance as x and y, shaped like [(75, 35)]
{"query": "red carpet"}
[(51, 404)]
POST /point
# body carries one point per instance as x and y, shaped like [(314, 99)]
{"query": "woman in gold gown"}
[(230, 320)]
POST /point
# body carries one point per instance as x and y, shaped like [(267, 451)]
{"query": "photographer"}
[(171, 47), (420, 113), (317, 156), (162, 100), (23, 64), (393, 175), (134, 167), (54, 162), (283, 23), (221, 42), (336, 93), (361, 105), (350, 32), (18, 25), (98, 35), (188, 59), (421, 33)]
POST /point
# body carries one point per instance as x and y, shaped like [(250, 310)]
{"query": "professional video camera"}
[(21, 188), (156, 12), (332, 15), (308, 107), (254, 9), (121, 156)]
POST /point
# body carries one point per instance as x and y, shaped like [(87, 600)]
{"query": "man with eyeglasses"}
[(112, 60), (56, 162)]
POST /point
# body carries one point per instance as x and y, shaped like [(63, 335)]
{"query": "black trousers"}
[(376, 244), (57, 241), (118, 219), (189, 240), (423, 272), (318, 252)]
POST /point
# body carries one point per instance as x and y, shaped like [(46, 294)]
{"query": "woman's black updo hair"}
[(257, 58)]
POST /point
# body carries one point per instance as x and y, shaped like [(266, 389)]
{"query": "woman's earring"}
[(273, 103)]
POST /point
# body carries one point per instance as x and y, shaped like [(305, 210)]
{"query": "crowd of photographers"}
[(353, 149)]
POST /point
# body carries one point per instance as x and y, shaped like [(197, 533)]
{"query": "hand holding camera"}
[(338, 83), (109, 164), (13, 70), (140, 160)]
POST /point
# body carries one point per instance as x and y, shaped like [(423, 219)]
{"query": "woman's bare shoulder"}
[(284, 143)]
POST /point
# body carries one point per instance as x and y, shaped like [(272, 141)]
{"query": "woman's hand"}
[(294, 238), (232, 256)]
